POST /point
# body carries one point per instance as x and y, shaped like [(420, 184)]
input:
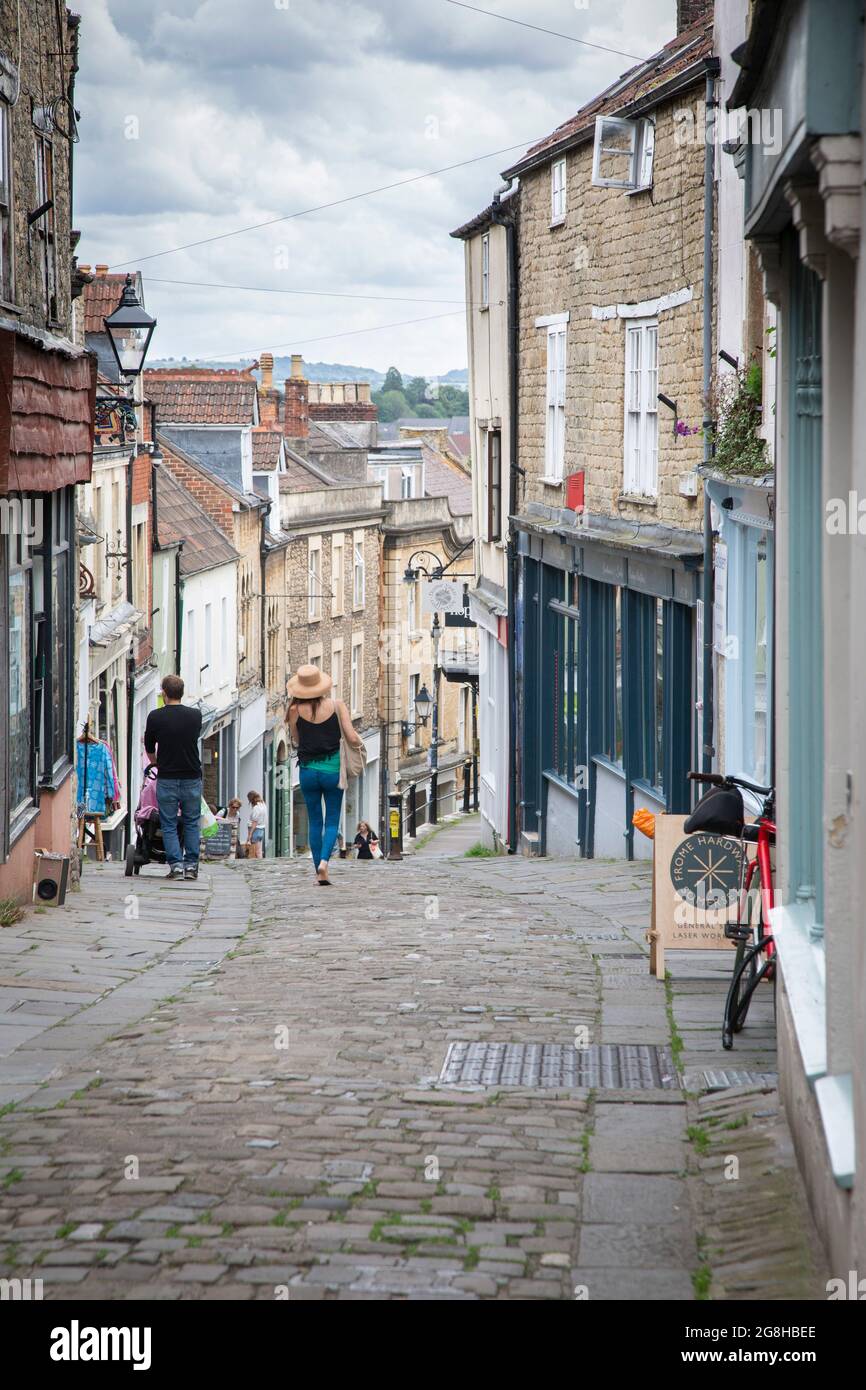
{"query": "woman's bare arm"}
[(350, 733)]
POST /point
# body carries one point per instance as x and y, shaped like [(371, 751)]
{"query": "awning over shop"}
[(47, 402)]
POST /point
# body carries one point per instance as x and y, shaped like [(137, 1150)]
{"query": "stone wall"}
[(45, 64), (305, 637), (615, 248)]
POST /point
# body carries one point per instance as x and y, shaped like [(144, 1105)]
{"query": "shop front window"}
[(659, 692), (617, 749), (21, 788), (61, 657)]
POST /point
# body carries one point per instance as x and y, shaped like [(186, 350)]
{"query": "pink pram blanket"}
[(147, 808)]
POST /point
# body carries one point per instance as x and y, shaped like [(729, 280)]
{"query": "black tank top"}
[(317, 740)]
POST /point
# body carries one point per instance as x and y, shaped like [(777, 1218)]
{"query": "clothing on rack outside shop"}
[(94, 767)]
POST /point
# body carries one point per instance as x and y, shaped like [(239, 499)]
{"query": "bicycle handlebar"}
[(717, 780)]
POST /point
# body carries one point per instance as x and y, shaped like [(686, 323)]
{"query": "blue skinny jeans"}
[(317, 786)]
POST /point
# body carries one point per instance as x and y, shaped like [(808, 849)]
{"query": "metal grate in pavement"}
[(605, 1066), (722, 1078), (637, 956), (595, 934)]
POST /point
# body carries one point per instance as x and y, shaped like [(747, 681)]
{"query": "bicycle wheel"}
[(757, 975), (745, 965)]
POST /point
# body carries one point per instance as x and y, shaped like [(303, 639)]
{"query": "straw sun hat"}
[(308, 683)]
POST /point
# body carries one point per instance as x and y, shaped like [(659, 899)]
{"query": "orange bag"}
[(645, 822)]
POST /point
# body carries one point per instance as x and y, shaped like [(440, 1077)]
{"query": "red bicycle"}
[(755, 959)]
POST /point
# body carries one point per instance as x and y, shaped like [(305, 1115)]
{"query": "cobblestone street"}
[(236, 1094)]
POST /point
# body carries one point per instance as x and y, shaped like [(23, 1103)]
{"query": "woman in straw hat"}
[(317, 722)]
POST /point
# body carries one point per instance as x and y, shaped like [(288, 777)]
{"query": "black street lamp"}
[(422, 705), (130, 329)]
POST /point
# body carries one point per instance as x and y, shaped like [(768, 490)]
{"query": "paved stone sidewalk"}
[(71, 978), (276, 1127)]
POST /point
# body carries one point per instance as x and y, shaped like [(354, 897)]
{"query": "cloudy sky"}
[(200, 117)]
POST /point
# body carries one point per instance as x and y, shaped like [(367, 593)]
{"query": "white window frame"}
[(337, 668), (407, 482), (485, 271), (554, 427), (638, 153), (412, 607), (338, 576), (558, 192), (356, 686), (208, 682), (314, 579), (189, 651), (640, 429), (359, 571), (381, 475)]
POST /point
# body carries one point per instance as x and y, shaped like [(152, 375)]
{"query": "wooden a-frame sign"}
[(695, 890)]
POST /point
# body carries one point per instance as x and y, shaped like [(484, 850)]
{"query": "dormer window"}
[(623, 153)]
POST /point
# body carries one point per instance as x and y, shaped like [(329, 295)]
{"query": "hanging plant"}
[(739, 447)]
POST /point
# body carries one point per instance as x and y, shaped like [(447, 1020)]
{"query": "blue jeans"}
[(315, 785), (183, 792)]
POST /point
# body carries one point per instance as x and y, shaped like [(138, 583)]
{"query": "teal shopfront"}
[(606, 688)]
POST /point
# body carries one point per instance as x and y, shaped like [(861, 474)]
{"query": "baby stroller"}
[(148, 847)]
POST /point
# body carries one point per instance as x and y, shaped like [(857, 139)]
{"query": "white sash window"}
[(640, 474)]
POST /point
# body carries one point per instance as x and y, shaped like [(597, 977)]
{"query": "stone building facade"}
[(608, 516), (46, 433), (333, 580), (422, 534)]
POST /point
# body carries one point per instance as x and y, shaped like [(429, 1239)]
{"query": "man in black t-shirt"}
[(171, 738)]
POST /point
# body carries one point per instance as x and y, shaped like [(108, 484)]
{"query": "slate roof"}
[(200, 397), (443, 479), (303, 476), (348, 434), (180, 518), (218, 451), (636, 88)]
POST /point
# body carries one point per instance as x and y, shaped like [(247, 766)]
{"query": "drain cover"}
[(608, 1066), (723, 1078), (637, 956), (595, 934)]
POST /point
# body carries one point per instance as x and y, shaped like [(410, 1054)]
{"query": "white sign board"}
[(442, 596)]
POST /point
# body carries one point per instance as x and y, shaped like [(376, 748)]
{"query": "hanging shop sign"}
[(442, 596), (696, 887)]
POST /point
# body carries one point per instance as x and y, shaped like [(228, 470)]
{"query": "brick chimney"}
[(296, 423), (690, 11), (269, 400)]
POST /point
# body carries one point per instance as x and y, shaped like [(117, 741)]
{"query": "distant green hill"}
[(314, 371)]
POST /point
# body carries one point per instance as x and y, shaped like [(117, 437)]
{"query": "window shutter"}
[(644, 173)]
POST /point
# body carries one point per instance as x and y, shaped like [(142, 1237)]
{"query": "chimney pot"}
[(266, 363), (297, 367), (101, 269)]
